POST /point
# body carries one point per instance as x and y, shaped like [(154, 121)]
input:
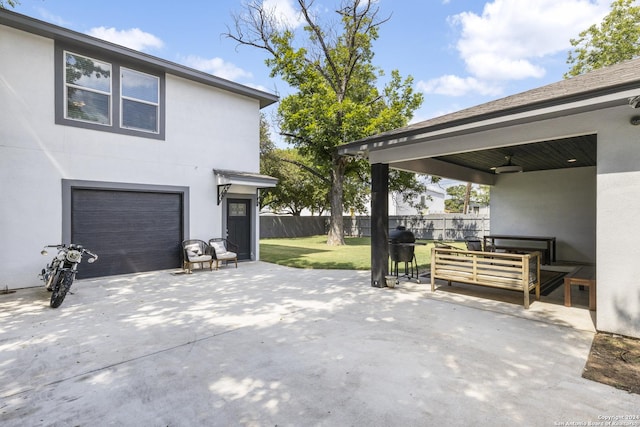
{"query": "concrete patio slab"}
[(268, 345)]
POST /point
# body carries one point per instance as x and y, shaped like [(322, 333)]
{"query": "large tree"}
[(615, 39), (11, 3), (337, 99), (298, 188)]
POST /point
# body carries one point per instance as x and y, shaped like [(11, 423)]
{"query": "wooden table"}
[(549, 254), (582, 276)]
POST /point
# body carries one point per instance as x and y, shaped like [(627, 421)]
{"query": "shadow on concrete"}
[(264, 344)]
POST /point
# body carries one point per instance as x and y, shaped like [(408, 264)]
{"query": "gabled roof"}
[(601, 82), (54, 32)]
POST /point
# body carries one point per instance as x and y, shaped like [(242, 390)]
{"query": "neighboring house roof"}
[(598, 83), (44, 29), (435, 188)]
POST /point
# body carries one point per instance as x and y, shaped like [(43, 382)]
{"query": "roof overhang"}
[(540, 129), (415, 134)]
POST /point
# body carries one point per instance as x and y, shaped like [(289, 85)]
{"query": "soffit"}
[(537, 156)]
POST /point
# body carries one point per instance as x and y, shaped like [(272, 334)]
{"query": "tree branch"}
[(296, 137), (307, 168), (255, 28), (323, 45)]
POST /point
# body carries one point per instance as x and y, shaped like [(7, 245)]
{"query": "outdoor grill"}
[(402, 243), (399, 250)]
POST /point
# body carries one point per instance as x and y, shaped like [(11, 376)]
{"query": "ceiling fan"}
[(508, 167)]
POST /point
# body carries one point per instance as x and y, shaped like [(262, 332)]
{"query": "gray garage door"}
[(131, 231)]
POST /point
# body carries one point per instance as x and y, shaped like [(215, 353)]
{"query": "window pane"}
[(88, 106), (237, 209), (88, 73), (139, 85), (137, 115)]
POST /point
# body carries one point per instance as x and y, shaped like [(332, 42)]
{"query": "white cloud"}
[(495, 67), (509, 39), (258, 87), (451, 85), (511, 34), (285, 12), (216, 66), (133, 38), (54, 19)]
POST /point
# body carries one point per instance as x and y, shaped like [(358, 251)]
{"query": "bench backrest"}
[(490, 268)]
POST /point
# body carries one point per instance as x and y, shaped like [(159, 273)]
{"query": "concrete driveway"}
[(264, 345)]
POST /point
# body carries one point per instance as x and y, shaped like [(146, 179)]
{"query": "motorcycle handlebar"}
[(63, 245), (94, 257)]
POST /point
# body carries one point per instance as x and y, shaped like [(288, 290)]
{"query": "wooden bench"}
[(583, 276), (545, 256), (519, 272), (523, 243)]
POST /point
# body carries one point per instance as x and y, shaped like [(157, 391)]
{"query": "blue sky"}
[(460, 52)]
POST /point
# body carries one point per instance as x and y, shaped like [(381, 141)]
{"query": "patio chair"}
[(473, 243), (439, 244), (223, 251), (196, 251)]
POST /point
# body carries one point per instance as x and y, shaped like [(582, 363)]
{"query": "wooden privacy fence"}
[(426, 227)]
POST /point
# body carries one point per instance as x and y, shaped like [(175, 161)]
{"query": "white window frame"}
[(117, 63), (67, 85), (141, 101)]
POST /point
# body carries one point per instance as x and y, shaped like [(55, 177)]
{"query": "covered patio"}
[(577, 142)]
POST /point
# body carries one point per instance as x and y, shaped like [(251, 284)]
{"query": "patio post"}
[(379, 224)]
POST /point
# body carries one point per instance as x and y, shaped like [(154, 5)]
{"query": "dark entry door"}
[(239, 225)]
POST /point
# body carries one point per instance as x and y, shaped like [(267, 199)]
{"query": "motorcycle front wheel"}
[(60, 287)]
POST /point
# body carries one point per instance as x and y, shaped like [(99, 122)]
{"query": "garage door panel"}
[(121, 263), (131, 231), (131, 237), (128, 229)]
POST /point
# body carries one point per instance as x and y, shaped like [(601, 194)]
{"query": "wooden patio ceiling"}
[(578, 151)]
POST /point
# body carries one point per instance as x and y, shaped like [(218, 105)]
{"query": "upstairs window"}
[(87, 89), (94, 92), (139, 100)]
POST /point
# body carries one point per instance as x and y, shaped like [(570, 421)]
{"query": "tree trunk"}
[(336, 223), (467, 199)]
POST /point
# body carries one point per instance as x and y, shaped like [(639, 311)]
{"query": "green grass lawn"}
[(313, 252)]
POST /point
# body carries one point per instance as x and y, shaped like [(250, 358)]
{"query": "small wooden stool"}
[(583, 276)]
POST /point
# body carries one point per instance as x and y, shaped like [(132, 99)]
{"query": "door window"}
[(237, 209)]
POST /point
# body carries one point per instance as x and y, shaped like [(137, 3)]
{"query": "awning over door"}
[(225, 179)]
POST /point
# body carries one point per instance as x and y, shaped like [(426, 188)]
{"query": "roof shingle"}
[(624, 75)]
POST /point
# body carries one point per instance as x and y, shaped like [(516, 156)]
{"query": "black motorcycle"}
[(59, 273)]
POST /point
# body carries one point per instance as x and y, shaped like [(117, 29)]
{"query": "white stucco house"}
[(431, 201), (578, 143), (121, 151)]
